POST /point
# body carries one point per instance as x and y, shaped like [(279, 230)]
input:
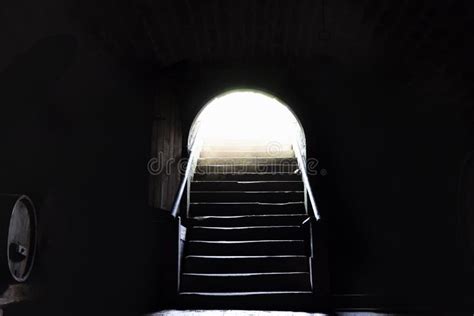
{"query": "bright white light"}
[(246, 117)]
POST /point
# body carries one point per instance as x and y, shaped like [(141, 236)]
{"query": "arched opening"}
[(248, 131), (247, 121)]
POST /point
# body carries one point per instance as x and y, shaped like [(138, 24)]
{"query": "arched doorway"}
[(248, 129), (249, 121)]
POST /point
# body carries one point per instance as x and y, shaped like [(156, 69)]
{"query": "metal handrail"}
[(195, 151), (302, 165), (193, 156)]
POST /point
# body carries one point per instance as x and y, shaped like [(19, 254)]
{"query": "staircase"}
[(245, 247)]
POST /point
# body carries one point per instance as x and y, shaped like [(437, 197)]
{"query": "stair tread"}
[(254, 158), (245, 232), (248, 176), (245, 227), (225, 264), (244, 293), (245, 247), (251, 203), (247, 196), (246, 208), (245, 257), (247, 186), (244, 281), (248, 168), (229, 209), (270, 300), (245, 161), (256, 173), (240, 158), (244, 241), (247, 154), (244, 216), (268, 220), (246, 192), (242, 149), (244, 274), (246, 181), (247, 164)]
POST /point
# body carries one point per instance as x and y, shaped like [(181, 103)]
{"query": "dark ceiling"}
[(436, 34)]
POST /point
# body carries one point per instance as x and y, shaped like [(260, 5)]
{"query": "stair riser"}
[(239, 169), (248, 177), (246, 161), (245, 234), (243, 265), (204, 209), (283, 154), (247, 197), (252, 249), (287, 154), (248, 221), (247, 186), (271, 302), (278, 282), (264, 147)]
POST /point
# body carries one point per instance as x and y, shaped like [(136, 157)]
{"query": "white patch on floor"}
[(229, 313), (260, 313)]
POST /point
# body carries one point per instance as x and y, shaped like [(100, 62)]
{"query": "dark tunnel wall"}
[(75, 135)]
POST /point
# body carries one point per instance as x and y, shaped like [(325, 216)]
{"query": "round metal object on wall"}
[(18, 234)]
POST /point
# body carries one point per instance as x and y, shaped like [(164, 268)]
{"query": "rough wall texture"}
[(75, 136), (166, 149)]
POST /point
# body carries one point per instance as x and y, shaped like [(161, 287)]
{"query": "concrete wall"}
[(75, 130)]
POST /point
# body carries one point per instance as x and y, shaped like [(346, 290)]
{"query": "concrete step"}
[(242, 264), (247, 186), (245, 247), (248, 176), (248, 154), (267, 147), (248, 220), (245, 282), (246, 161), (217, 140), (245, 233), (289, 168), (264, 300), (247, 196), (244, 208)]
